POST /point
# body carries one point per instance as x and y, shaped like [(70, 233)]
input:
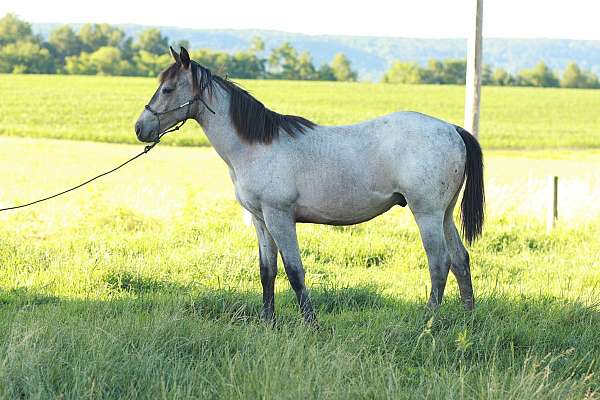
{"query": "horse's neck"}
[(219, 128)]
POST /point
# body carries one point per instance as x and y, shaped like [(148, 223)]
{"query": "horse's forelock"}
[(169, 73)]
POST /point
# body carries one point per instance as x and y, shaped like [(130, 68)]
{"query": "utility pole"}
[(474, 62)]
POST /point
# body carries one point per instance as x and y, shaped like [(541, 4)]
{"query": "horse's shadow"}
[(335, 305)]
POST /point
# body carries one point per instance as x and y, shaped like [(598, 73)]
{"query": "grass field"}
[(145, 284), (105, 108)]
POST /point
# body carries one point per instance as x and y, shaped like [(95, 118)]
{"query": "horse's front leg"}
[(282, 227), (267, 253)]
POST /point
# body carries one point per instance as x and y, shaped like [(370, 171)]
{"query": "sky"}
[(565, 19)]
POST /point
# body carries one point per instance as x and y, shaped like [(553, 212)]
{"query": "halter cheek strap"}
[(180, 123)]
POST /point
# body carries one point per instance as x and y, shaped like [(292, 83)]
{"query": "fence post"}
[(552, 211)]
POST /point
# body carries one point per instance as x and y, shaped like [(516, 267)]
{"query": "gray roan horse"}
[(287, 169)]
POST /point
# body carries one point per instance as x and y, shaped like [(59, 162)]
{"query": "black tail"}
[(473, 201)]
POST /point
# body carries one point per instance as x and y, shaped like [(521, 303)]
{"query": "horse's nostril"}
[(138, 128)]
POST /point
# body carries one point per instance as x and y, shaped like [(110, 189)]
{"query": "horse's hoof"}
[(432, 306), (268, 319), (312, 322), (469, 305)]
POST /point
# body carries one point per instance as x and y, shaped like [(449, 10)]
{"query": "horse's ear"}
[(185, 57), (175, 55)]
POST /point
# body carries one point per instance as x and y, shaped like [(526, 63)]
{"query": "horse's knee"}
[(460, 264)]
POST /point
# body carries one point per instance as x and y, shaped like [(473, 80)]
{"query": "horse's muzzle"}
[(145, 137), (138, 128)]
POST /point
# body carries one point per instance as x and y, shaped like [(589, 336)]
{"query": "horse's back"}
[(402, 144)]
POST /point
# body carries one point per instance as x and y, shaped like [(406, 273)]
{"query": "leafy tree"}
[(219, 62), (65, 42), (215, 61), (434, 72), (94, 36), (325, 73), (574, 77), (592, 80), (445, 72), (152, 41), (404, 72), (107, 60), (486, 75), (80, 65), (540, 75), (454, 72), (502, 78), (245, 65), (341, 68), (150, 64), (305, 68), (284, 62), (26, 57), (12, 30), (127, 50)]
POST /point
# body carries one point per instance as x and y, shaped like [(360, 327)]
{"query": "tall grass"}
[(145, 285)]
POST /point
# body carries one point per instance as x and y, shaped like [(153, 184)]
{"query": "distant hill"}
[(371, 56)]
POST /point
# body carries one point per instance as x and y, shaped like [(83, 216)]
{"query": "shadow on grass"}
[(246, 304), (510, 328), (141, 294)]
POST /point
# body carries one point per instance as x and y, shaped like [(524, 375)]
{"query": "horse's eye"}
[(167, 90)]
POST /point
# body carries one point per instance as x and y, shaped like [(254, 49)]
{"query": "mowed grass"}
[(105, 108), (145, 285)]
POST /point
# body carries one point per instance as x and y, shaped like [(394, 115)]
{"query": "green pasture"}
[(105, 108), (145, 285)]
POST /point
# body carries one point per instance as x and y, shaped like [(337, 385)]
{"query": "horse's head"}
[(169, 104)]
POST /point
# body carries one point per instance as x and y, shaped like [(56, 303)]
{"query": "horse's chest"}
[(247, 199)]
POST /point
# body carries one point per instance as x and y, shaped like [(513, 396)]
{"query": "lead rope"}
[(146, 150)]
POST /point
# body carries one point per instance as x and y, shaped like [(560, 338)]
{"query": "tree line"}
[(103, 49), (454, 71)]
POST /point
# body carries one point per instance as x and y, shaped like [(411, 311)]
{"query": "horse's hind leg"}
[(459, 258), (432, 234)]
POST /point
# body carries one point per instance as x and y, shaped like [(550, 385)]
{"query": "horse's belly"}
[(344, 211)]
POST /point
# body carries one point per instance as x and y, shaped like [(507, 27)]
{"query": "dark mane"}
[(252, 120), (256, 123)]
